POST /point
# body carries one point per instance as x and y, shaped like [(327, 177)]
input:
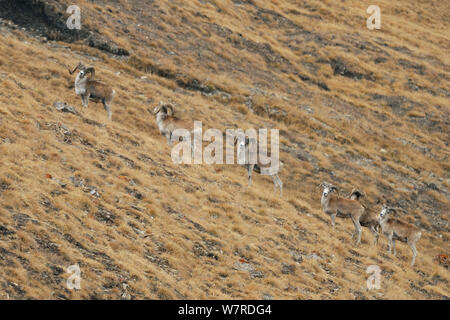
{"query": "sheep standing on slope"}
[(370, 217), (167, 122), (334, 205), (244, 146), (87, 87), (396, 229)]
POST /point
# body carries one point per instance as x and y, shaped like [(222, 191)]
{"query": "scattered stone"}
[(62, 106), (200, 251), (296, 256), (267, 296), (94, 193), (134, 193), (246, 266), (380, 60), (105, 216), (288, 268), (313, 256), (76, 181), (340, 68), (125, 295), (62, 184), (5, 232), (443, 260)]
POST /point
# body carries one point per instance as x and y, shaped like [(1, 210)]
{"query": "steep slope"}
[(354, 107)]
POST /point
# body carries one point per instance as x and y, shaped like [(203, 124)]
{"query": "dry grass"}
[(173, 232)]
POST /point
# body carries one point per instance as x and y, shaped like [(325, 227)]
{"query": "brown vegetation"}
[(356, 107)]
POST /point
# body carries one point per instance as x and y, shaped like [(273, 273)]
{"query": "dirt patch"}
[(48, 18)]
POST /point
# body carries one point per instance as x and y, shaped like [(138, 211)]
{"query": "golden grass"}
[(163, 243)]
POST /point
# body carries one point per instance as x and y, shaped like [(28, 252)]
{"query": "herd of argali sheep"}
[(332, 204)]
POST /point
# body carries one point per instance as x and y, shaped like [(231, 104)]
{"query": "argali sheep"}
[(243, 145), (334, 205), (395, 229), (167, 122), (87, 87), (370, 217)]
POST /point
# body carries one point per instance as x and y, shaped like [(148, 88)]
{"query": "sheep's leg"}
[(393, 246), (357, 230), (280, 184), (353, 233), (85, 100), (390, 243), (333, 219), (375, 234), (108, 109), (275, 183), (359, 233), (169, 138), (412, 245), (250, 172)]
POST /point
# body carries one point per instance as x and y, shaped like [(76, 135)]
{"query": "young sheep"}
[(334, 205), (87, 87), (396, 229), (168, 123), (370, 217), (244, 146)]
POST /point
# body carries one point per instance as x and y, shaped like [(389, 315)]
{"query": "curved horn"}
[(318, 186), (169, 108), (79, 66), (71, 72), (356, 193), (90, 70), (157, 109)]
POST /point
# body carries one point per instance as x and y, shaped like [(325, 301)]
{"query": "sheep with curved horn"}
[(395, 229), (87, 87), (167, 122), (334, 205)]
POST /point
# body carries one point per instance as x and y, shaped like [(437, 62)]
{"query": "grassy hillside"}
[(356, 108)]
